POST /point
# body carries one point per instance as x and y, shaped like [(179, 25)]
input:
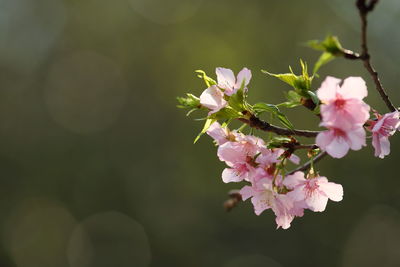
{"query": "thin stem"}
[(364, 9)]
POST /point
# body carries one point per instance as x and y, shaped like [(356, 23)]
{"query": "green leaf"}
[(325, 58), (298, 82), (273, 109), (190, 101), (330, 44), (202, 75), (207, 125)]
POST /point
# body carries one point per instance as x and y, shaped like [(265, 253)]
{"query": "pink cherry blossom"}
[(220, 134), (381, 129), (227, 81), (337, 142), (342, 105), (213, 99), (263, 197), (314, 192), (239, 156)]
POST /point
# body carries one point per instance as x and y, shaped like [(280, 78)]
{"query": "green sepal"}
[(313, 97)]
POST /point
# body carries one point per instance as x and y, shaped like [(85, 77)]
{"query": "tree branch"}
[(256, 123), (364, 9)]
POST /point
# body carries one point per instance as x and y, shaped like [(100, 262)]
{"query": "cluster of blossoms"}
[(250, 159), (345, 114), (261, 164)]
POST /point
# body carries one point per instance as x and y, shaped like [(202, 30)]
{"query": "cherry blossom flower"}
[(227, 81), (239, 156), (220, 134), (213, 99), (337, 142), (342, 105), (381, 129), (263, 197), (314, 192)]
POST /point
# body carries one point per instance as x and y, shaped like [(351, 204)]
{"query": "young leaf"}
[(190, 101), (263, 107), (325, 58), (331, 44), (207, 125), (298, 82), (202, 75)]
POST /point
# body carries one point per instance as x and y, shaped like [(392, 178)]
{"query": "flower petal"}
[(213, 98), (244, 74), (354, 87), (332, 190), (328, 89), (291, 181), (356, 138), (226, 79), (230, 175)]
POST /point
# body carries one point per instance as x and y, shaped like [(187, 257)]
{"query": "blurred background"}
[(97, 165)]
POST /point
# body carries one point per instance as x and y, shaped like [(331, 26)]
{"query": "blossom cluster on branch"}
[(262, 163)]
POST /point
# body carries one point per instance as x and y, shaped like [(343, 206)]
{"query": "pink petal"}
[(293, 180), (226, 79), (294, 158), (356, 138), (377, 145), (243, 74), (231, 175), (324, 139), (381, 145), (218, 133), (261, 202), (247, 192), (231, 153), (317, 202), (328, 88), (333, 191), (338, 148), (353, 87), (298, 193), (213, 98)]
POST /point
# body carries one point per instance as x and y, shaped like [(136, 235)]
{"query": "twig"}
[(256, 123), (364, 9)]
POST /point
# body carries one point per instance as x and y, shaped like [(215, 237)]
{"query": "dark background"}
[(97, 166)]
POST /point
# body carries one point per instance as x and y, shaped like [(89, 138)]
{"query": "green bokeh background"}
[(97, 164)]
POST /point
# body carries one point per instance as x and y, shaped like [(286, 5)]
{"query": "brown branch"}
[(364, 8), (256, 123)]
